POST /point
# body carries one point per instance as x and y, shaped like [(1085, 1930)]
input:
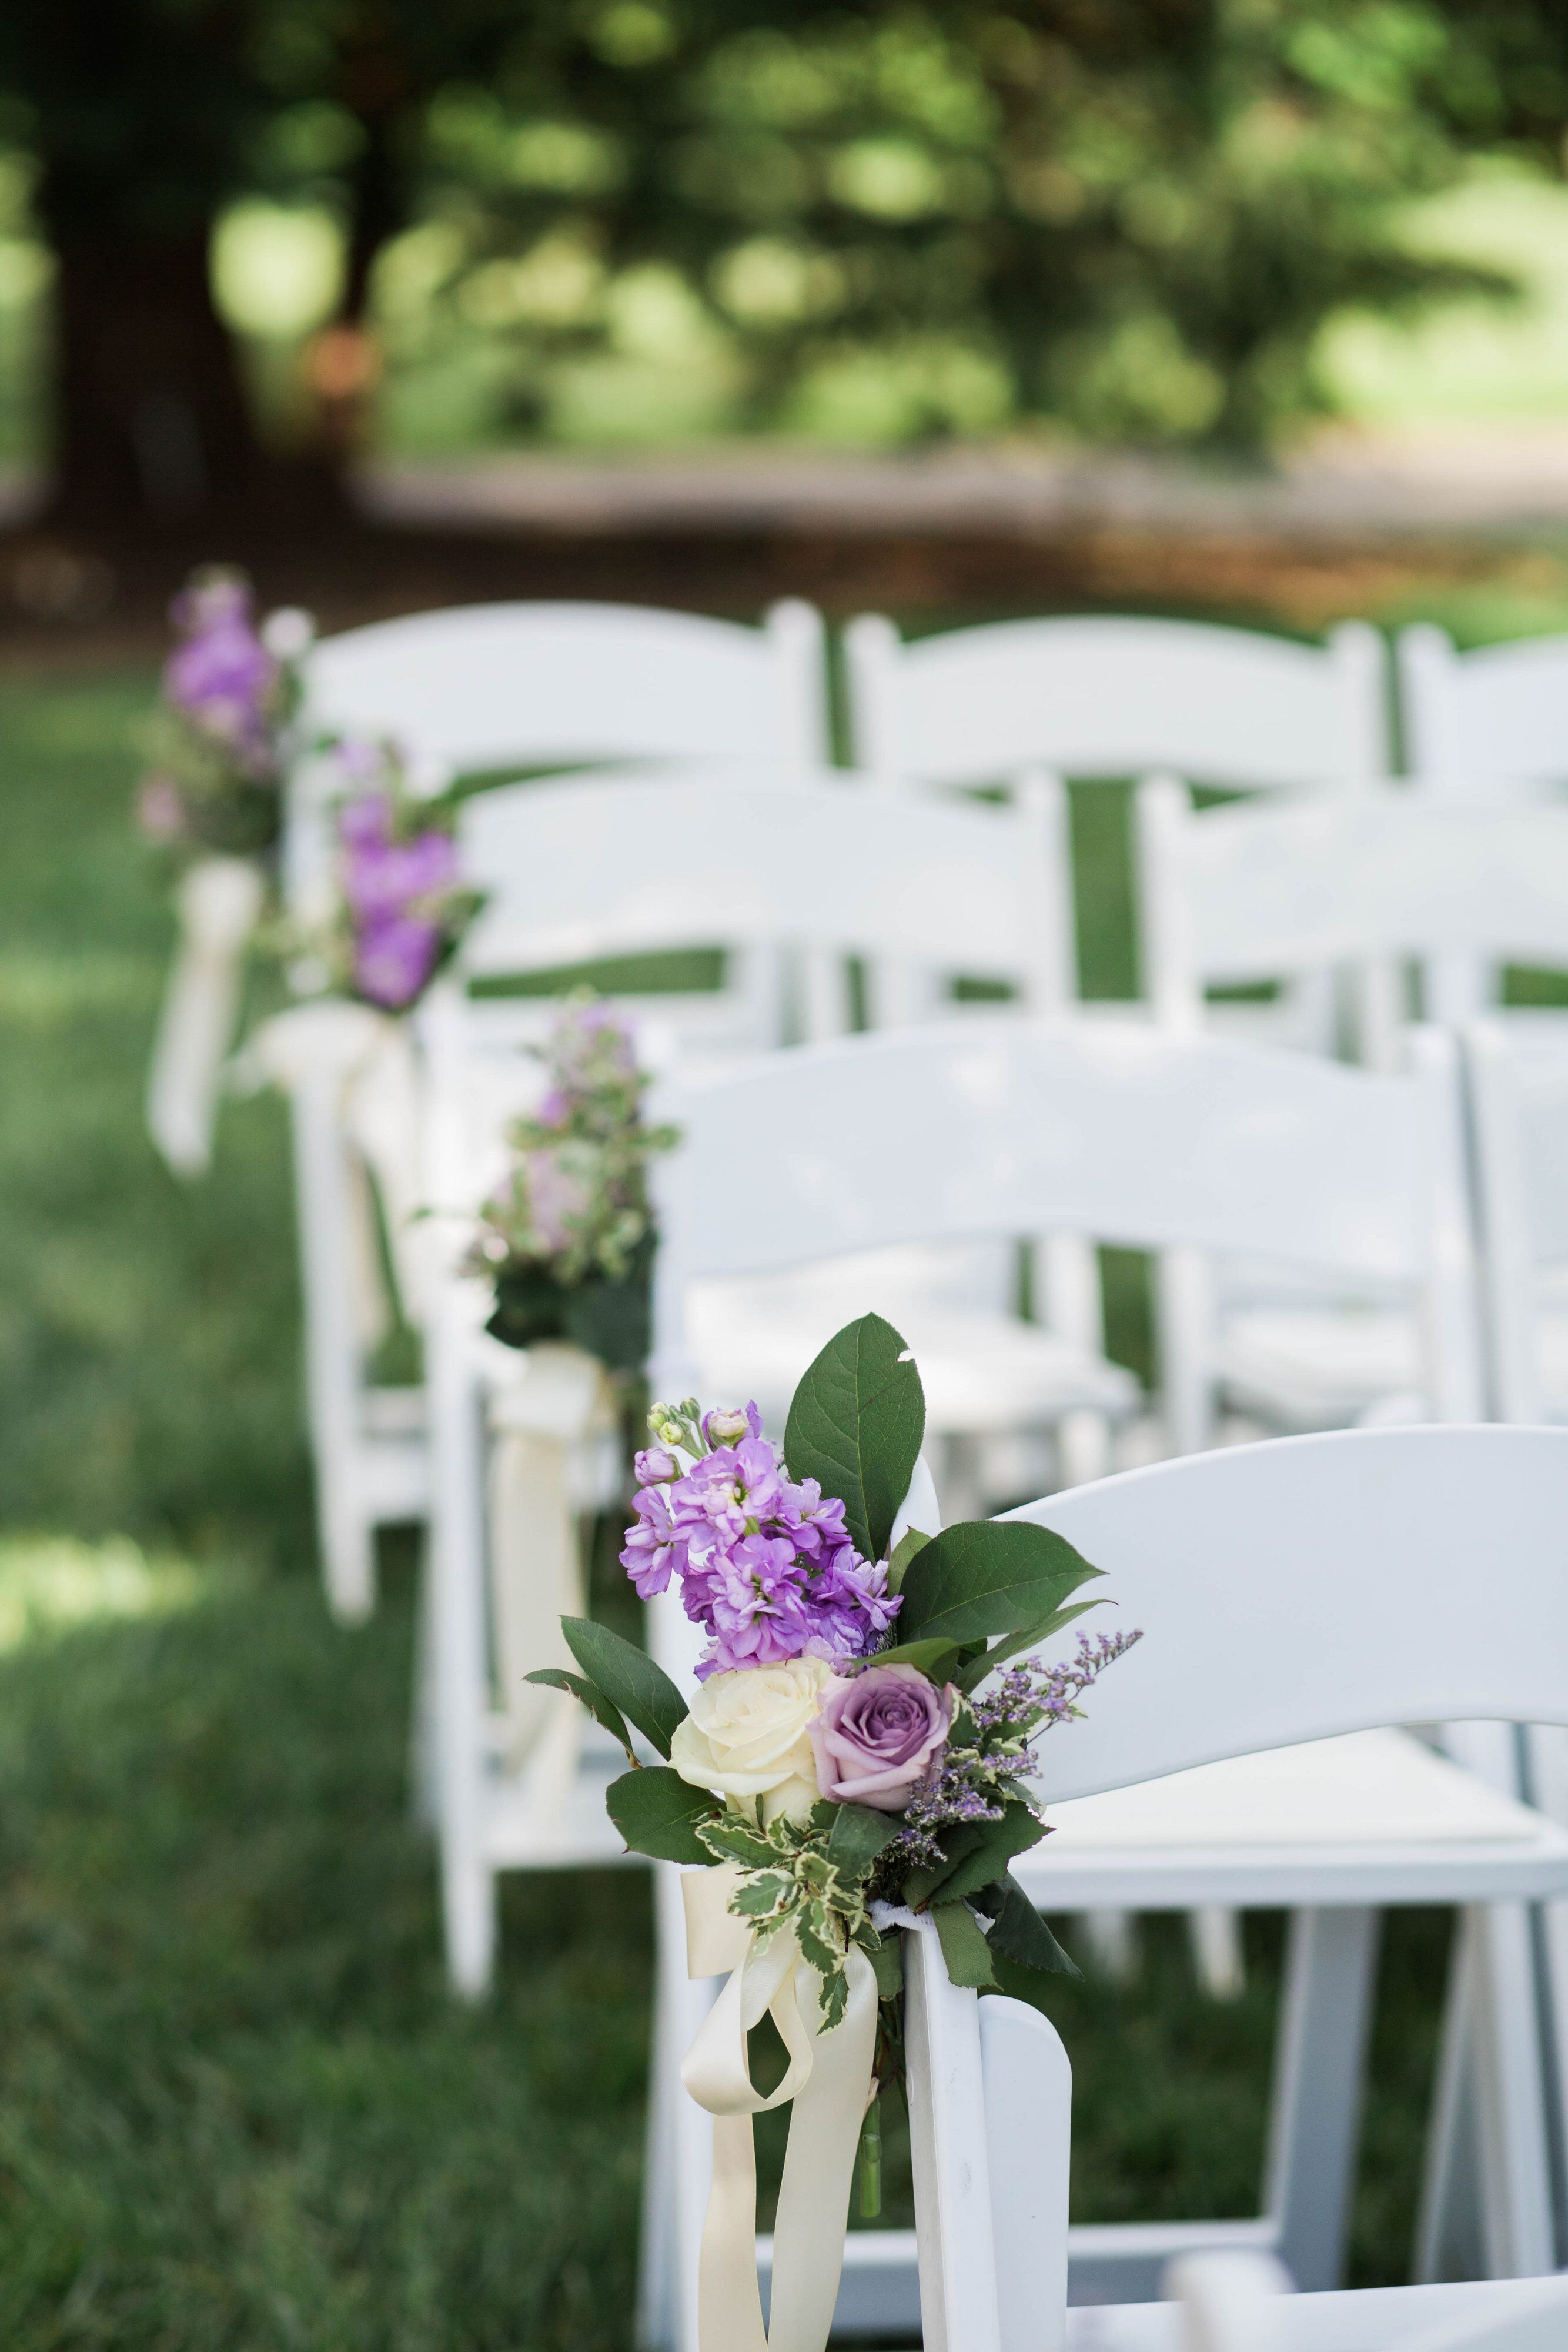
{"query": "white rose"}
[(747, 1737)]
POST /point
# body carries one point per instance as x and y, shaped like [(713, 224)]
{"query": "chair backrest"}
[(1258, 889), (1007, 1127), (1313, 1585), (1519, 1116), (541, 685), (1117, 697), (1475, 720), (602, 864)]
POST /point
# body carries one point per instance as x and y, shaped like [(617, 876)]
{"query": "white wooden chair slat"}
[(488, 686), (1114, 697)]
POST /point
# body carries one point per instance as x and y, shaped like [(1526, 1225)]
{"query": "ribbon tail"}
[(729, 2300), (819, 2163), (220, 900)]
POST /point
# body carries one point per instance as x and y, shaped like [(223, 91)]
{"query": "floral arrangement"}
[(401, 906), (216, 745), (569, 1240), (859, 1752)]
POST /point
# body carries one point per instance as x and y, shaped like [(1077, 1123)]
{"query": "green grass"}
[(237, 2111)]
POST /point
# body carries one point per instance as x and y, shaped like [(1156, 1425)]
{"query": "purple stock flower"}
[(394, 955), (223, 678), (877, 1737), (766, 1565)]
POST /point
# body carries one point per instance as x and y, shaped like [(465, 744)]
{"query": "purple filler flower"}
[(876, 1738), (394, 955), (222, 677)]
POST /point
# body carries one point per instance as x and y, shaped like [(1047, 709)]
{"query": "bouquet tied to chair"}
[(857, 1757)]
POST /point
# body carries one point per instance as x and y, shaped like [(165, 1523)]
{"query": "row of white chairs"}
[(536, 686)]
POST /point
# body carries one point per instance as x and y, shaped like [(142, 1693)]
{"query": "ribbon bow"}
[(218, 905), (830, 2079)]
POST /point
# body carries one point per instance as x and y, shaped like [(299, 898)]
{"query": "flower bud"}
[(655, 1466), (726, 1425)]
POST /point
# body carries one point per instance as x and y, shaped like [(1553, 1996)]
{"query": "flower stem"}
[(870, 2162)]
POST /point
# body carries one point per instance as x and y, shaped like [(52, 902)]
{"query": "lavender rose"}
[(876, 1736)]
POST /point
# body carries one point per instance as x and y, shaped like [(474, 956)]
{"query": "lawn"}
[(237, 2108)]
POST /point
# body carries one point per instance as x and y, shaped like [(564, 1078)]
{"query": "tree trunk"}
[(152, 429)]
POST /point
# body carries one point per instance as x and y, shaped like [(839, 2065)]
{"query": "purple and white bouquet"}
[(403, 905), (569, 1238), (216, 744), (861, 1742)]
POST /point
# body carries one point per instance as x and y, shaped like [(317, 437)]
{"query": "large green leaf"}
[(856, 1424), (629, 1679), (594, 1700), (1020, 1936), (964, 1947), (1018, 1829), (655, 1811), (987, 1576), (858, 1835), (940, 1659), (958, 1843)]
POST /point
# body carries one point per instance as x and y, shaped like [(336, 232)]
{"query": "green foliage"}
[(629, 1678), (987, 1576), (856, 1421), (658, 1814), (965, 1950), (598, 1705), (809, 1877)]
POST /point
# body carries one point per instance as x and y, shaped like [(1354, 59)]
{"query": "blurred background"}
[(1253, 310)]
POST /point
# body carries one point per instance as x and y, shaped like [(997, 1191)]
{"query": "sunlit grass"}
[(54, 1584)]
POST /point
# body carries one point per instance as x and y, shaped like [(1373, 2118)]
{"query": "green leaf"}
[(1020, 1936), (970, 1676), (856, 1423), (904, 1551), (1015, 1831), (940, 1659), (593, 1699), (957, 1843), (964, 1946), (755, 1897), (987, 1576), (629, 1679), (858, 1835), (886, 1958), (738, 1843), (656, 1812)]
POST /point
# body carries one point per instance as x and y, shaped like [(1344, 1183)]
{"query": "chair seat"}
[(1370, 1817), (983, 1370), (1365, 2319), (525, 1828), (1313, 1367)]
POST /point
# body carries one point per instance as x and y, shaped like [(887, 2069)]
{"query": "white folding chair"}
[(1370, 882), (598, 863), (1155, 1142), (1519, 1110), (473, 688), (1262, 1557), (1481, 726), (1103, 695)]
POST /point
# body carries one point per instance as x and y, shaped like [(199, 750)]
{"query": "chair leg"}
[(1489, 2173), (1112, 1940), (1219, 1958), (348, 1553), (1330, 1966)]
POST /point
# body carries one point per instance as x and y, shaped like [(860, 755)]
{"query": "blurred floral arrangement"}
[(402, 906), (569, 1239), (216, 744)]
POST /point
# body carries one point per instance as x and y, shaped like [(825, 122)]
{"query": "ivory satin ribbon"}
[(550, 1419), (367, 1058), (218, 904), (828, 2077)]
